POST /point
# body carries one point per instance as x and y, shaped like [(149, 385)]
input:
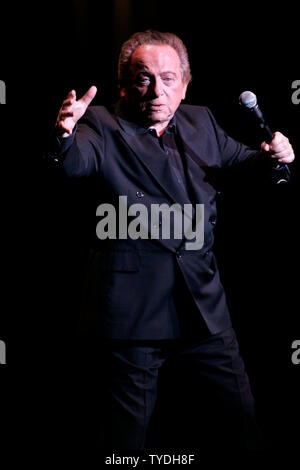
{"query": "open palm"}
[(72, 110)]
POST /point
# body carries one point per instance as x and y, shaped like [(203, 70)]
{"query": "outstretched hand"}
[(72, 110)]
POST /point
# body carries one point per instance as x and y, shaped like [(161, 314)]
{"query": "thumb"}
[(264, 146), (89, 95)]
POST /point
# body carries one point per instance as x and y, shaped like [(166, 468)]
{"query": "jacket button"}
[(178, 254), (213, 220), (140, 194)]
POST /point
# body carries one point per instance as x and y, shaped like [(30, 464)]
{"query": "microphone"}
[(249, 101)]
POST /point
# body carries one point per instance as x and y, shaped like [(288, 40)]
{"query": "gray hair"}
[(150, 36)]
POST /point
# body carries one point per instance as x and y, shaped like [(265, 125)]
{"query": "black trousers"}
[(207, 400)]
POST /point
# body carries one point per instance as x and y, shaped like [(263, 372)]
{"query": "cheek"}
[(140, 92), (176, 97), (135, 92)]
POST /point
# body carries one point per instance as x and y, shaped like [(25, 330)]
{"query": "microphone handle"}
[(259, 115), (269, 134), (268, 138)]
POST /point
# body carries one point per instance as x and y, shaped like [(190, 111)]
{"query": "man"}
[(155, 298)]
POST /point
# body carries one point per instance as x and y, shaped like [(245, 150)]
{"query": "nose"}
[(157, 88)]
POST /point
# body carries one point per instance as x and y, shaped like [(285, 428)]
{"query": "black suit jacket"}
[(134, 286)]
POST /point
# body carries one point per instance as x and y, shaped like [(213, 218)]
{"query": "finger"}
[(286, 160), (281, 155), (71, 98), (68, 102), (89, 95), (280, 145), (277, 136), (71, 95), (65, 114), (283, 146), (279, 142), (288, 156)]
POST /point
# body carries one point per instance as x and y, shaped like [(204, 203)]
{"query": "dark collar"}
[(132, 128)]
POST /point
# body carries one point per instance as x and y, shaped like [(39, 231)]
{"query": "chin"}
[(158, 117)]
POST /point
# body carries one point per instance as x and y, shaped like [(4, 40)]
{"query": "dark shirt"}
[(167, 142)]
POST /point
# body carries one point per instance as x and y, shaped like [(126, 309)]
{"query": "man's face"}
[(156, 88)]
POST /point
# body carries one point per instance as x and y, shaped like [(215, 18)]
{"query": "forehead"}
[(155, 56)]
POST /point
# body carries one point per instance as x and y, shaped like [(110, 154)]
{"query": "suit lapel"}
[(156, 162)]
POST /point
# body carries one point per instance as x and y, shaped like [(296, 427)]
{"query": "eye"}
[(168, 80), (143, 80)]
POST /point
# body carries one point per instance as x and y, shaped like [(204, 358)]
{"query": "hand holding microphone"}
[(276, 144), (279, 148)]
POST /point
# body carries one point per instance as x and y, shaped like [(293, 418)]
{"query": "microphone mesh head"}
[(248, 99)]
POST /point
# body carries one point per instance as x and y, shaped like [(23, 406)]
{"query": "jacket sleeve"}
[(235, 154), (231, 151)]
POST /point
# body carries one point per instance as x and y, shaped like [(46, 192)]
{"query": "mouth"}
[(155, 107)]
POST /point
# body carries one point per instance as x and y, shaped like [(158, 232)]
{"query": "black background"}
[(53, 47)]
